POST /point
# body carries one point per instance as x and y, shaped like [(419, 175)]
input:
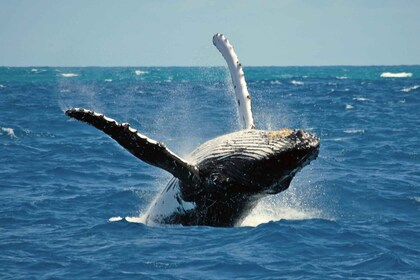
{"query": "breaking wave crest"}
[(69, 75), (408, 89), (396, 75)]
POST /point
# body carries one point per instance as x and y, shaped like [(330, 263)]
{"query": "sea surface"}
[(71, 199)]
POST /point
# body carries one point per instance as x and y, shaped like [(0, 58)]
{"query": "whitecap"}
[(115, 219), (68, 75), (361, 99), (34, 70), (108, 80), (408, 89), (275, 82), (341, 77), (296, 83), (417, 198), (349, 107), (140, 72), (354, 131), (2, 86), (9, 131), (396, 75)]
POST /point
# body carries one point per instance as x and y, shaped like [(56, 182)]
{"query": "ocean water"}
[(71, 199)]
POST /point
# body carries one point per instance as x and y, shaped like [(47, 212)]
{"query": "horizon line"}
[(207, 66)]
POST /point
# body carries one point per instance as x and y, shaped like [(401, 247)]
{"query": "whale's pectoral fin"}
[(238, 79), (144, 148)]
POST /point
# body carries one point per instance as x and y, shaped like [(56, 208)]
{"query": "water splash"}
[(9, 131), (115, 219)]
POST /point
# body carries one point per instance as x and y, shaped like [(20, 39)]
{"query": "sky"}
[(179, 33)]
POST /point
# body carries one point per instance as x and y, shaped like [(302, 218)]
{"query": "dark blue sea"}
[(71, 199)]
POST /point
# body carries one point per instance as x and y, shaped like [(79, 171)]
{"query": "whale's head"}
[(291, 151), (255, 162)]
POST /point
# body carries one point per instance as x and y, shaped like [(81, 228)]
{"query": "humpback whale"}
[(225, 177)]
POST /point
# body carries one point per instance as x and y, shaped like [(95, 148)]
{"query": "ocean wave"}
[(296, 83), (68, 75), (276, 82), (349, 107), (354, 131), (2, 86), (35, 70), (341, 77), (361, 99), (9, 131), (408, 89), (108, 80), (140, 72), (396, 75)]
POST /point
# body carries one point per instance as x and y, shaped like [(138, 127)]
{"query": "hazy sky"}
[(179, 33)]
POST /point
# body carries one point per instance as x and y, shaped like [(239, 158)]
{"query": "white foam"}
[(140, 72), (396, 75), (417, 198), (9, 131), (34, 70), (408, 89), (362, 99), (69, 75), (296, 83), (108, 80), (354, 131), (349, 107), (341, 77), (267, 211), (139, 220), (276, 82), (115, 219), (2, 86)]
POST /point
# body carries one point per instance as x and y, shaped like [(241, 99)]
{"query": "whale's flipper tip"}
[(238, 79), (142, 147)]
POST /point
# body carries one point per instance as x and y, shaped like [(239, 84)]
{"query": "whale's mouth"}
[(308, 146)]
